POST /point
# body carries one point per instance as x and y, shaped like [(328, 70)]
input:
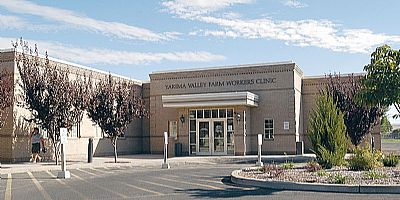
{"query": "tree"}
[(358, 118), (386, 127), (381, 85), (6, 95), (113, 105), (54, 98), (327, 132)]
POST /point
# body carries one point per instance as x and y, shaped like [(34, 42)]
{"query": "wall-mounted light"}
[(182, 118), (237, 116)]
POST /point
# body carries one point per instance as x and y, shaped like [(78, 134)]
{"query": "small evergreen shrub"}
[(313, 166), (391, 160), (364, 159), (327, 132)]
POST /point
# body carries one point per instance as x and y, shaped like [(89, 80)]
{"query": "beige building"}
[(211, 111)]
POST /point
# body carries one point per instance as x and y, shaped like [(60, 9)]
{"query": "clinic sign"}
[(213, 84)]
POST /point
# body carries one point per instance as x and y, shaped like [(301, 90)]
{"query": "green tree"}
[(327, 132), (386, 127), (381, 85), (359, 118), (113, 105)]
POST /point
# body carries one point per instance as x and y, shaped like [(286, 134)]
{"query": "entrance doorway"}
[(211, 131), (211, 138)]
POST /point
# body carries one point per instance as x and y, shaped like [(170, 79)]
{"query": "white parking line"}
[(190, 183), (102, 188), (81, 196), (45, 195), (7, 195), (84, 171), (162, 185), (143, 189)]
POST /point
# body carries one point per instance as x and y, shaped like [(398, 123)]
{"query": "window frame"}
[(270, 135)]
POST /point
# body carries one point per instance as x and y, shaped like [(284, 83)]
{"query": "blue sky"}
[(135, 38)]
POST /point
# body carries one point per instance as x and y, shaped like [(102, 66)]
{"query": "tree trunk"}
[(115, 149)]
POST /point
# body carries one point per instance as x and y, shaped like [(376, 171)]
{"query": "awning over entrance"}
[(210, 100)]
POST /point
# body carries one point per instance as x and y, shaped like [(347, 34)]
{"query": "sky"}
[(136, 38)]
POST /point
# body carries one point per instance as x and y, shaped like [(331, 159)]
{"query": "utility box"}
[(299, 148), (178, 149)]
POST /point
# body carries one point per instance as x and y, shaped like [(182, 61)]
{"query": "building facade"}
[(210, 111)]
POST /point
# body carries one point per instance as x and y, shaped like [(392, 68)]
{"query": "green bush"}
[(374, 175), (327, 132), (391, 160), (365, 159), (338, 179), (287, 165)]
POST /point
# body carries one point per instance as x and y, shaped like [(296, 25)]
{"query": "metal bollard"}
[(90, 150)]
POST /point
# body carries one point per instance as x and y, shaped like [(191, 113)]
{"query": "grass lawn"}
[(391, 140)]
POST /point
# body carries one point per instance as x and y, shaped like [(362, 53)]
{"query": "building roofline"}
[(222, 67), (77, 65), (342, 75)]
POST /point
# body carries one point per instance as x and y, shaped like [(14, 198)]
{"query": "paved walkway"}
[(143, 160)]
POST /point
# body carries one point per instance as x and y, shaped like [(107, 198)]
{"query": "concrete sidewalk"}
[(151, 161)]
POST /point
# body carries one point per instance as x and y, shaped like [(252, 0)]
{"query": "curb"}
[(340, 188)]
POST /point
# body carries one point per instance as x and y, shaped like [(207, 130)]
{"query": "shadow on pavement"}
[(228, 192)]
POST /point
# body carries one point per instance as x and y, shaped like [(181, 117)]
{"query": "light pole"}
[(165, 165), (259, 163), (65, 174)]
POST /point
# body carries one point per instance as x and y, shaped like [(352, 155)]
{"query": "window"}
[(75, 131), (268, 129), (99, 132)]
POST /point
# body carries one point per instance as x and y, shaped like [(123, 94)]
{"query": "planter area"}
[(337, 179)]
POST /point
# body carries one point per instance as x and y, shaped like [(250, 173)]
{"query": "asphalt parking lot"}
[(184, 182)]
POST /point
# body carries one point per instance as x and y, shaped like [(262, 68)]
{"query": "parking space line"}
[(101, 171), (198, 177), (55, 177), (103, 188), (81, 170), (143, 189), (162, 185), (82, 196), (190, 183), (45, 195), (7, 195)]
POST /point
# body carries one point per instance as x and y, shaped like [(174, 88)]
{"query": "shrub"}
[(313, 166), (365, 159), (327, 132), (338, 179), (374, 175), (391, 160), (272, 170), (321, 173), (288, 165)]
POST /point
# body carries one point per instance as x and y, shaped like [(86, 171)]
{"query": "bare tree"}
[(113, 105), (53, 97), (6, 95)]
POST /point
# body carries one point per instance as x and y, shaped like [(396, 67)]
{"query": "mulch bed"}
[(336, 175)]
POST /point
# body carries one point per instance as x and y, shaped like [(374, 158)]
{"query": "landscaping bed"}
[(335, 175)]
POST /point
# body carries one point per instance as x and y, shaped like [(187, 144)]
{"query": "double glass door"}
[(211, 137)]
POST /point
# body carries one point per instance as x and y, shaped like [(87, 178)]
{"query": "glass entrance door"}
[(211, 136), (219, 137), (204, 137)]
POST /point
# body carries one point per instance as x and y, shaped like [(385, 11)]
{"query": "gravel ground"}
[(336, 175)]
